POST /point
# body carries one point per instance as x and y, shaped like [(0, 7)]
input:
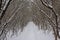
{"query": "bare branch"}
[(4, 9), (57, 32), (4, 25), (48, 6), (44, 14)]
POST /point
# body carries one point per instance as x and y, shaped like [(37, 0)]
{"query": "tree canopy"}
[(15, 14)]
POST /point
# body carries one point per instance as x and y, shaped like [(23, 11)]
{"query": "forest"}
[(15, 15)]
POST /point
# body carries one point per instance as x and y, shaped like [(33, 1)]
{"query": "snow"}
[(31, 32)]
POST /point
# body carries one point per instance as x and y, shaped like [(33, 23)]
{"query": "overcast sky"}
[(31, 32)]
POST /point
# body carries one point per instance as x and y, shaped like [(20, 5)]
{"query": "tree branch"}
[(50, 7), (44, 14), (4, 25), (4, 9), (57, 32)]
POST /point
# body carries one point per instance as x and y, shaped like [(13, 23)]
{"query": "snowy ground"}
[(31, 32)]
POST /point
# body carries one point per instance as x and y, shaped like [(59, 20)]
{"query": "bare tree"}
[(19, 12)]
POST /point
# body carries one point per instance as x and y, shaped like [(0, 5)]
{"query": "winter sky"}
[(31, 32)]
